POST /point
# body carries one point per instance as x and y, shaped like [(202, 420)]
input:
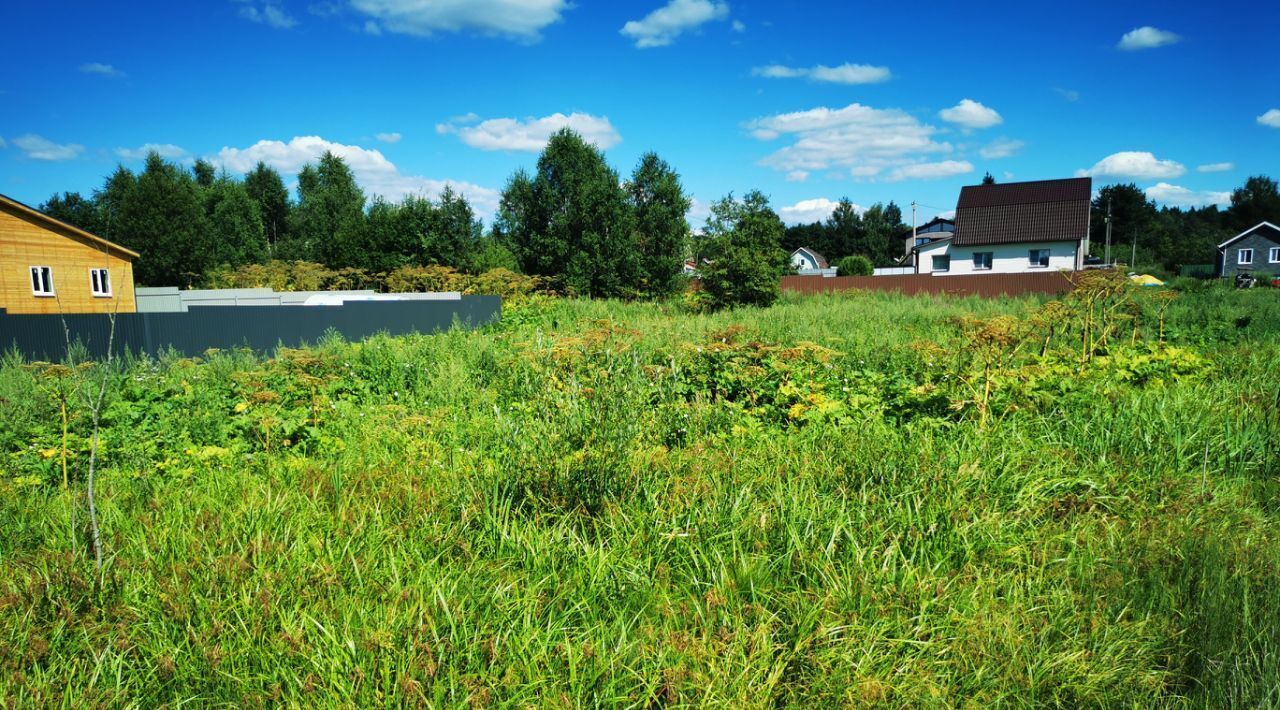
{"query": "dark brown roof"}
[(1040, 211)]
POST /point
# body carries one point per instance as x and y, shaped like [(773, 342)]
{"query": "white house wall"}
[(1005, 258)]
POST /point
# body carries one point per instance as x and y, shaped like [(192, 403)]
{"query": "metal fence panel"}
[(262, 328), (987, 285)]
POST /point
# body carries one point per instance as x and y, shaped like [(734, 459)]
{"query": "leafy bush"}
[(290, 276), (744, 260), (856, 265), (415, 279)]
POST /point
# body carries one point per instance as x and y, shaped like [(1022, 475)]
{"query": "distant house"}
[(1254, 251), (931, 231), (808, 262), (1014, 227), (49, 266)]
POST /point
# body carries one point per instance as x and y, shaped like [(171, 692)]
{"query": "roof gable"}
[(68, 230), (1266, 229), (818, 259), (1038, 211)]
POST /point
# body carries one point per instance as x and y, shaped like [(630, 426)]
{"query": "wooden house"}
[(49, 266)]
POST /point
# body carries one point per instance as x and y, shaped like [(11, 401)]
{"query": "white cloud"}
[(808, 211), (519, 19), (40, 148), (662, 26), (1134, 164), (860, 139), (1146, 37), (739, 26), (376, 174), (166, 150), (1270, 118), (327, 8), (530, 134), (843, 74), (970, 114), (1001, 148), (1178, 196), (3, 144), (1216, 168), (269, 14), (1069, 94), (101, 69), (697, 215), (388, 137), (930, 171), (797, 176)]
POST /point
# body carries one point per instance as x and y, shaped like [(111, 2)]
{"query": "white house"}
[(1017, 227), (808, 262)]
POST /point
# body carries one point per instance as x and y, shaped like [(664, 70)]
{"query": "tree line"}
[(571, 221)]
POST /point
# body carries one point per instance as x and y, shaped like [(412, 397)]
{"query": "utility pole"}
[(1134, 259), (913, 223), (1106, 254)]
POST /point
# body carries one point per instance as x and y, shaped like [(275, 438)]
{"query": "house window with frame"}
[(1244, 256), (100, 282), (1273, 255), (982, 260), (1039, 258), (42, 281), (942, 262)]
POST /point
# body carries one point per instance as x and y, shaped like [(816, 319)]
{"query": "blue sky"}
[(807, 102)]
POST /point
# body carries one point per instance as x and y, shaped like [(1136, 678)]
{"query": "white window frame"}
[(1039, 263), (933, 263), (989, 261), (46, 279), (99, 276), (1273, 255), (1244, 257)]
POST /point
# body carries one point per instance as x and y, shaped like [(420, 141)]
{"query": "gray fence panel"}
[(262, 328)]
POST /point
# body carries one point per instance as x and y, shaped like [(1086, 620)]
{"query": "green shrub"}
[(856, 265)]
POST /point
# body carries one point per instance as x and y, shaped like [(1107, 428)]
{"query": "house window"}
[(982, 260), (942, 262), (100, 282), (1273, 256), (42, 280), (1244, 256), (1040, 257)]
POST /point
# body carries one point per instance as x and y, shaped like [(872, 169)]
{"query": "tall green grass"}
[(557, 511)]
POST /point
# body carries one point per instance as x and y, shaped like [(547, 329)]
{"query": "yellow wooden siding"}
[(25, 243)]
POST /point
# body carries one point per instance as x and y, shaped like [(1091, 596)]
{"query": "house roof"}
[(38, 216), (926, 225), (1266, 228), (932, 244), (818, 259), (1014, 212)]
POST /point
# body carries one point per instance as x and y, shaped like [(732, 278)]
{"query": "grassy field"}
[(859, 499)]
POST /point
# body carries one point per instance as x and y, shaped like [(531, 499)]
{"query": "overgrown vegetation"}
[(860, 499)]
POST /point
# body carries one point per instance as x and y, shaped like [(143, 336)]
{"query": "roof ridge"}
[(31, 211)]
